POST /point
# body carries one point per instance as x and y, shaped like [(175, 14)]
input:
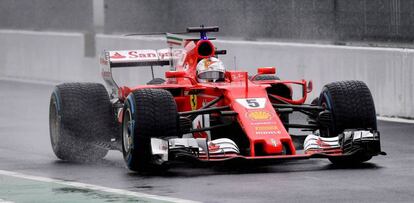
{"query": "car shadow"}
[(191, 170), (98, 163), (195, 169)]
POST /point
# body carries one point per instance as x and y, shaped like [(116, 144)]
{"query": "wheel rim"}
[(127, 130), (328, 132), (54, 124)]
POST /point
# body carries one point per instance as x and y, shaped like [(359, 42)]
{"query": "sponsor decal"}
[(207, 63), (252, 103), (267, 127), (135, 54), (238, 76), (117, 55), (267, 132), (168, 53), (143, 55), (213, 147), (193, 102), (259, 115), (274, 143), (202, 121), (264, 123)]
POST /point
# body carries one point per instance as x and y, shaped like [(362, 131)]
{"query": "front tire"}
[(266, 77), (277, 89), (148, 113), (352, 107)]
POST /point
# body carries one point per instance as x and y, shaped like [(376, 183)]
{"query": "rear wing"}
[(134, 58)]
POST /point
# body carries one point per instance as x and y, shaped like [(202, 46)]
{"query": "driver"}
[(210, 70)]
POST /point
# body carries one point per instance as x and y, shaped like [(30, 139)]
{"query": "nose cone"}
[(262, 126)]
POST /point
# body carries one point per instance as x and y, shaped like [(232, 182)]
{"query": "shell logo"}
[(259, 115)]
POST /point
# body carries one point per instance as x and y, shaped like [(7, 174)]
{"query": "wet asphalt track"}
[(25, 148)]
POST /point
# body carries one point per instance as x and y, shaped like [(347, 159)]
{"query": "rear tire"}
[(148, 113), (80, 114)]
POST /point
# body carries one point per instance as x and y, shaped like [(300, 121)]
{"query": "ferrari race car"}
[(208, 115)]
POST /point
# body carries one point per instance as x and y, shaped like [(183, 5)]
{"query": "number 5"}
[(252, 103)]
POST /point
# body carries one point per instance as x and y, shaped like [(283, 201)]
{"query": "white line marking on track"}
[(5, 201), (397, 120), (94, 187)]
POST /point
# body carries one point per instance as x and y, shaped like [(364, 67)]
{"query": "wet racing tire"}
[(352, 107), (266, 77), (148, 113), (278, 89), (79, 115), (156, 81)]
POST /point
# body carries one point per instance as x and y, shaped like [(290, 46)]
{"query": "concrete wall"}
[(46, 15), (335, 21), (59, 57)]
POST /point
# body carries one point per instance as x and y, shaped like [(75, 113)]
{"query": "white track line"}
[(94, 187), (397, 120), (5, 201)]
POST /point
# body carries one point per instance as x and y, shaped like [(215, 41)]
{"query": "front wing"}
[(348, 144)]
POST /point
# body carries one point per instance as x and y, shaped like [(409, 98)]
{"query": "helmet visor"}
[(211, 75)]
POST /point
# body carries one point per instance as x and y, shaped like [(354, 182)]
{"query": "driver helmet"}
[(210, 70)]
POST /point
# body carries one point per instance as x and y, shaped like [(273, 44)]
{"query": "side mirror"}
[(220, 52), (179, 74), (174, 74), (309, 87), (266, 70)]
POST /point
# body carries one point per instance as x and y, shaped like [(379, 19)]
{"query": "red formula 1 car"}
[(203, 112)]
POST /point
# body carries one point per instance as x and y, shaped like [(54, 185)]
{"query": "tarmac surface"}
[(25, 148)]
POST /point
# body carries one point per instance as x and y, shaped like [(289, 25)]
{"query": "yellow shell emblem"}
[(259, 115)]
